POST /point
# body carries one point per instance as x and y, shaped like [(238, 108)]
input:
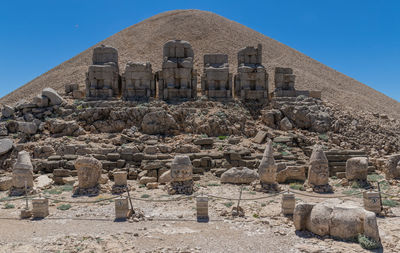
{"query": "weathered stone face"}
[(251, 81), (138, 81), (267, 169), (318, 172), (392, 167), (216, 81), (89, 171), (102, 78), (181, 169), (177, 79), (337, 218), (357, 168), (22, 171)]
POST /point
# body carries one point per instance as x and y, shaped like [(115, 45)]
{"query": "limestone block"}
[(5, 183), (181, 169), (40, 207), (53, 96), (27, 127), (120, 178), (372, 201), (285, 124), (146, 180), (297, 173), (260, 137), (357, 168), (6, 145), (202, 208), (158, 122), (165, 177), (121, 208), (288, 203), (152, 185), (89, 171), (239, 175), (337, 218)]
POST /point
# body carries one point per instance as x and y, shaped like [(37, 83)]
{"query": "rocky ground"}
[(172, 226), (142, 138)]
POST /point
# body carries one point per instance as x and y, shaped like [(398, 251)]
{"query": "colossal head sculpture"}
[(23, 171), (216, 82), (251, 81), (181, 169), (89, 171), (318, 172), (102, 78), (177, 79)]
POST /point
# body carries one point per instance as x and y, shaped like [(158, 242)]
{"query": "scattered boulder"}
[(5, 145), (53, 96), (239, 175), (357, 168), (43, 181), (7, 111), (290, 173), (64, 128), (285, 124), (5, 183), (336, 218), (158, 122), (392, 168), (165, 177), (27, 127), (146, 180)]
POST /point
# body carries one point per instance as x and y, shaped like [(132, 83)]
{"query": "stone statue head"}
[(181, 169)]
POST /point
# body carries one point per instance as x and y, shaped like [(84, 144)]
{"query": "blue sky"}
[(358, 38)]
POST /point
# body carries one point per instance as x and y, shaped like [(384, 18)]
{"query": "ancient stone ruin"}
[(267, 169), (177, 79), (22, 175), (251, 80), (102, 78), (318, 172), (337, 218), (181, 176), (89, 172), (357, 170), (216, 81), (138, 81)]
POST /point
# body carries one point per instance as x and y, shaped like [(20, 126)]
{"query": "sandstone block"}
[(241, 175), (357, 168)]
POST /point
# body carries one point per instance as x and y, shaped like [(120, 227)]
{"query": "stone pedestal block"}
[(288, 203), (40, 207)]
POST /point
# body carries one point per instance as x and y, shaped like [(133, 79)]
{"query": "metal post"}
[(26, 196), (130, 200), (380, 196), (240, 196)]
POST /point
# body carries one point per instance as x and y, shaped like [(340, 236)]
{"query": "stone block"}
[(40, 208), (260, 137), (121, 208)]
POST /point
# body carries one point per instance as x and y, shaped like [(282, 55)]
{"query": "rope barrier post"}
[(380, 196), (121, 209), (202, 208), (130, 202), (240, 197), (26, 196)]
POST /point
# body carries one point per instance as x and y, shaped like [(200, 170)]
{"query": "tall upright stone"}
[(22, 175), (181, 176), (138, 81), (268, 169), (216, 81), (318, 171), (102, 78), (251, 80), (177, 79)]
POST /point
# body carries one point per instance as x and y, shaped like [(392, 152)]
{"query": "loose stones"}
[(5, 145)]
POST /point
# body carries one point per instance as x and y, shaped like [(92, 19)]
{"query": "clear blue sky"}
[(358, 38)]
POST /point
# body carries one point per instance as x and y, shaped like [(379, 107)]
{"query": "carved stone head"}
[(181, 169)]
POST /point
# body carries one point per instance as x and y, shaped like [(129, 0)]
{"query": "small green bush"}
[(228, 204), (374, 177), (296, 186), (64, 207), (368, 243), (323, 137), (145, 196), (8, 206), (390, 202), (255, 215), (222, 137), (213, 184)]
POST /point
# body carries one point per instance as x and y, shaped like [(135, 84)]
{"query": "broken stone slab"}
[(165, 177), (296, 173), (43, 181), (337, 218), (357, 168), (260, 137), (239, 175), (7, 111), (5, 183), (204, 141), (5, 145), (53, 96)]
